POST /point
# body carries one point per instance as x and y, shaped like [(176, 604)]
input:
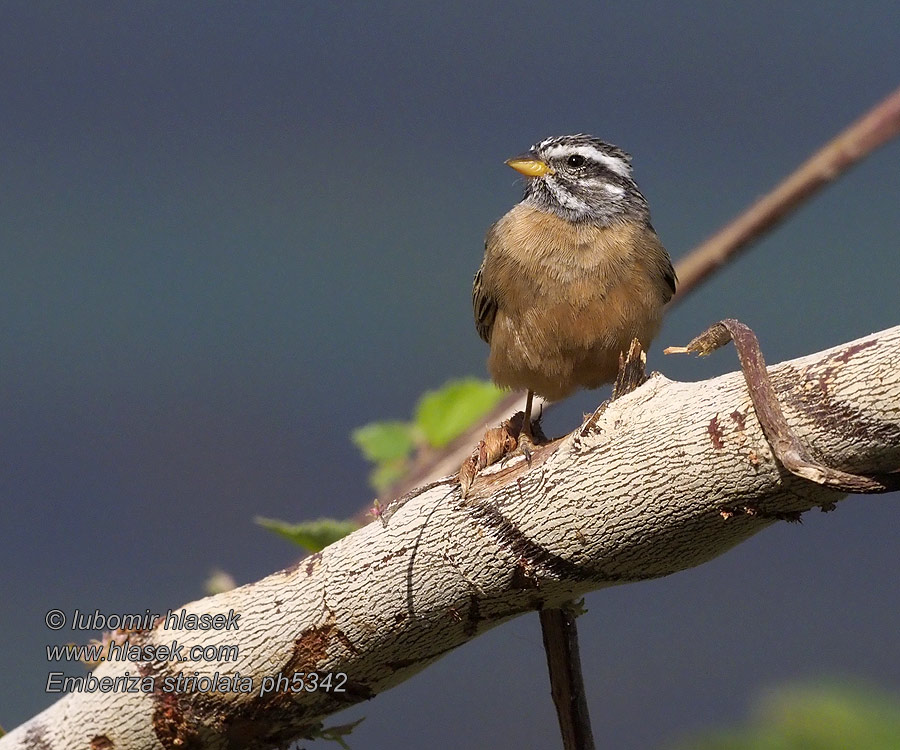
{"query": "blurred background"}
[(232, 232)]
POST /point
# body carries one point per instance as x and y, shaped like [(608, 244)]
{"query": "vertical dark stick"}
[(566, 681)]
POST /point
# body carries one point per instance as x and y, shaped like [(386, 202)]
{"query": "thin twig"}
[(869, 132)]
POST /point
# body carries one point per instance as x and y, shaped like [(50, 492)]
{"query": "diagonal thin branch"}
[(871, 131)]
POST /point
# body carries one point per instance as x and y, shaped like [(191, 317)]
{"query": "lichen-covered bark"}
[(664, 478)]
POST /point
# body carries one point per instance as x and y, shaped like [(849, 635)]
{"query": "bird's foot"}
[(525, 446), (497, 443), (500, 444)]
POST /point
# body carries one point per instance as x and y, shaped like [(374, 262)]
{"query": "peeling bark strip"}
[(638, 495), (789, 450)]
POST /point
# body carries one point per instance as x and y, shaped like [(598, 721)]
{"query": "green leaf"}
[(384, 441), (446, 413), (813, 717), (311, 535)]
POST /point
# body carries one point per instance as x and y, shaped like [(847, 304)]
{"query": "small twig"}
[(444, 461), (632, 373), (496, 443), (786, 446)]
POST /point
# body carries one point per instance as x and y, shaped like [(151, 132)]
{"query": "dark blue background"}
[(231, 232)]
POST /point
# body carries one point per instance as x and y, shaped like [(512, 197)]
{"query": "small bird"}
[(571, 274)]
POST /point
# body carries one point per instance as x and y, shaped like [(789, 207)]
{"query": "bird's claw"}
[(525, 448)]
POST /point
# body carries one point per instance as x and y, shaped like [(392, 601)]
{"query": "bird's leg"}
[(526, 422), (526, 439)]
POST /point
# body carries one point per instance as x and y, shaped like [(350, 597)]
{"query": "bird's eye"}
[(575, 160)]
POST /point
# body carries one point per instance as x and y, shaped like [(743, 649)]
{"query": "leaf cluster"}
[(439, 417)]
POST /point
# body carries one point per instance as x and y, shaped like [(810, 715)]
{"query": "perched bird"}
[(571, 274)]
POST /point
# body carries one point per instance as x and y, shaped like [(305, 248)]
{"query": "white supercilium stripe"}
[(613, 163)]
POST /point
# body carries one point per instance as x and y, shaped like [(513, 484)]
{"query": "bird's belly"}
[(570, 337)]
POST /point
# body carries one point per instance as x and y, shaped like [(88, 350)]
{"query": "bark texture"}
[(662, 479)]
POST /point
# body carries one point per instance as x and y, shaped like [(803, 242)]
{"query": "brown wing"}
[(669, 276), (484, 306), (664, 263)]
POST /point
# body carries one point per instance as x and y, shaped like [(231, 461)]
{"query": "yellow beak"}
[(529, 166)]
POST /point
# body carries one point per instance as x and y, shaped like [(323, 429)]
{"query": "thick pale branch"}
[(665, 478)]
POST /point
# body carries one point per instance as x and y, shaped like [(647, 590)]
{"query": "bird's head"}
[(581, 178)]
